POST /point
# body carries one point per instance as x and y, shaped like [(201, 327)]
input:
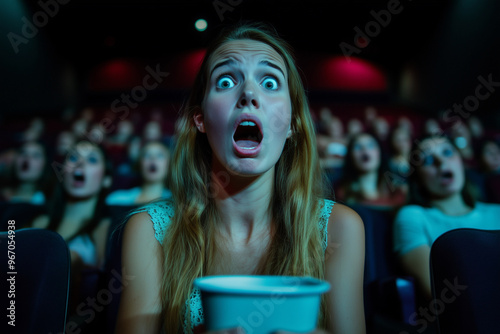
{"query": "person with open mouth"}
[(153, 167), (76, 212), (440, 200), (363, 176), (248, 196), (29, 181)]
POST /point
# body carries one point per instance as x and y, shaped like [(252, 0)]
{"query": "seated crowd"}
[(432, 176)]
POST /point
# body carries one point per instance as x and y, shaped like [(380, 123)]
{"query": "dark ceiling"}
[(450, 43)]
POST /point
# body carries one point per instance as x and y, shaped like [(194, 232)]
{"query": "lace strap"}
[(161, 214), (324, 215)]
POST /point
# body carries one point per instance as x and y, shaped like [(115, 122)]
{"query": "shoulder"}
[(122, 195), (140, 227), (492, 207), (158, 215), (41, 222), (345, 223), (411, 211)]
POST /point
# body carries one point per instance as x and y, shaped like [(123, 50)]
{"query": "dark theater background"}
[(59, 56)]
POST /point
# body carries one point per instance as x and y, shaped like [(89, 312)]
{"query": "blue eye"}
[(73, 158), (270, 83), (428, 160), (93, 159), (225, 82), (447, 152)]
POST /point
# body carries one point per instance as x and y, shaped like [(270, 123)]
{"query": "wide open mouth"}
[(78, 176), (247, 135), (365, 157), (25, 165), (446, 175), (152, 168)]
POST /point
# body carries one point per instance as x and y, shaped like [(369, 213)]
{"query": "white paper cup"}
[(261, 304)]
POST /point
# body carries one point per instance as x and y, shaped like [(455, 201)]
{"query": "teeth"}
[(247, 123), (248, 148)]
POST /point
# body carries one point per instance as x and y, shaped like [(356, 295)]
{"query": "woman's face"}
[(85, 171), (30, 162), (442, 171), (247, 107), (366, 154), (491, 156), (401, 141), (154, 163)]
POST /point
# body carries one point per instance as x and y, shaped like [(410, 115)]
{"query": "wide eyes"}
[(270, 83), (226, 81), (446, 152)]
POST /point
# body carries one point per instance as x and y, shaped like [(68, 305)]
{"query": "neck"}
[(243, 204), (152, 190), (80, 210), (368, 183), (25, 190), (452, 206)]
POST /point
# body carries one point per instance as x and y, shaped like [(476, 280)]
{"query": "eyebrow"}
[(270, 64), (222, 63), (232, 62)]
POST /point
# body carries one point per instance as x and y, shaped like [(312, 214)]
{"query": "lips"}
[(152, 168), (248, 135), (25, 165), (78, 178), (365, 157), (446, 177)]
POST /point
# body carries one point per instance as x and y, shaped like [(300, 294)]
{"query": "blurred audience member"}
[(153, 165), (152, 131), (489, 164), (35, 130), (77, 211), (354, 127), (440, 200), (123, 135), (331, 141), (431, 127), (29, 181), (64, 141), (399, 163), (462, 138), (475, 127), (363, 180)]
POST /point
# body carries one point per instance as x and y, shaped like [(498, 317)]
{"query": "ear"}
[(199, 121), (106, 182), (290, 132)]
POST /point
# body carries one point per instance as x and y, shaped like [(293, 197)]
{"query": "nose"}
[(248, 97)]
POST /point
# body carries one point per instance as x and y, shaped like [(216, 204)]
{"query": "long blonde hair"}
[(296, 247)]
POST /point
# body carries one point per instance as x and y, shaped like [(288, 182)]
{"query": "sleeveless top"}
[(161, 214)]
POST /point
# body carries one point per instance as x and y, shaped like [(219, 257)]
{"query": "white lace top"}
[(161, 214)]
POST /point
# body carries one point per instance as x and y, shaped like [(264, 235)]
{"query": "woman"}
[(153, 165), (77, 213), (246, 186), (30, 177), (364, 178), (440, 201)]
